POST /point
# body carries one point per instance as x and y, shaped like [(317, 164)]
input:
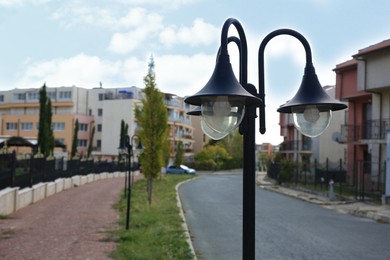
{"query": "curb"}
[(184, 224), (372, 214)]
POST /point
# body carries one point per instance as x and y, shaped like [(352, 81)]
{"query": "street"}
[(286, 228)]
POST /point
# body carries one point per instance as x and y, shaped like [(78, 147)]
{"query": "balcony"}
[(370, 130), (375, 129), (296, 146), (349, 133)]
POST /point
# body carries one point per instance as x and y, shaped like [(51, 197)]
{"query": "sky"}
[(83, 43)]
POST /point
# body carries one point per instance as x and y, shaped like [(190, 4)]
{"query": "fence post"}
[(315, 174), (340, 183), (13, 168)]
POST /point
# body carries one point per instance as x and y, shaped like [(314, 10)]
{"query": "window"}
[(65, 95), (81, 143), (19, 96), (100, 112), (26, 126), (99, 143), (51, 95), (58, 126), (99, 127), (83, 127), (12, 126), (1, 98), (33, 96), (101, 96)]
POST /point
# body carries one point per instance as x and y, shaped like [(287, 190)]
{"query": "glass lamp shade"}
[(312, 120), (220, 116), (211, 132)]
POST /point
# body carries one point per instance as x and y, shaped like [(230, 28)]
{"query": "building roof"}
[(346, 65), (372, 48)]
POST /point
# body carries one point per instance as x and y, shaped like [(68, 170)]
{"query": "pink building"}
[(364, 83)]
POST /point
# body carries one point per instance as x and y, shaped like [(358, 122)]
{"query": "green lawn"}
[(155, 232)]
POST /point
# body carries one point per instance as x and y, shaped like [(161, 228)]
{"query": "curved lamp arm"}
[(263, 44)]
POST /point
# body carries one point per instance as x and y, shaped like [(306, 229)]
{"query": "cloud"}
[(164, 3), (108, 18), (126, 42), (80, 70), (200, 33), (183, 75), (18, 3), (177, 74)]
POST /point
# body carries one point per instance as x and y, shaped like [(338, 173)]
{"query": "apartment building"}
[(19, 114), (99, 108), (306, 150), (364, 82)]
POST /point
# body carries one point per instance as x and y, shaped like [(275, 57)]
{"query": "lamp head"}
[(222, 100), (195, 112), (311, 106)]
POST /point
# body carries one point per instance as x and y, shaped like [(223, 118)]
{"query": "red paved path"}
[(68, 225)]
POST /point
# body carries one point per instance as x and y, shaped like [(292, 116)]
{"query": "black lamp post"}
[(129, 145), (226, 104)]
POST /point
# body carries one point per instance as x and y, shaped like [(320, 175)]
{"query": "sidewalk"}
[(72, 224), (379, 213)]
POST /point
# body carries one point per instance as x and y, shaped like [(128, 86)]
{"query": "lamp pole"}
[(129, 145), (226, 104), (129, 151)]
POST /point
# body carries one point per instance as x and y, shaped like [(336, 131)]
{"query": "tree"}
[(45, 131), (89, 151), (49, 128), (153, 121), (179, 154), (122, 135), (74, 141), (212, 153)]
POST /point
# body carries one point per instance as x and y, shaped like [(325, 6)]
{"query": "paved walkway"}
[(72, 224), (380, 213)]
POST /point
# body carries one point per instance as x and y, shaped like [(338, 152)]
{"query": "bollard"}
[(331, 193)]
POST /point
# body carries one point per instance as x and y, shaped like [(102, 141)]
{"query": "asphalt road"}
[(286, 228)]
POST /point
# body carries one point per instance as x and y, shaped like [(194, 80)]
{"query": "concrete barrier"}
[(39, 192), (90, 178), (76, 181), (12, 199), (83, 180), (59, 185), (8, 198), (25, 198), (96, 177), (67, 183), (50, 189)]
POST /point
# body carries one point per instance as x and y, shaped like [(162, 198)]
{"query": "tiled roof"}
[(376, 47)]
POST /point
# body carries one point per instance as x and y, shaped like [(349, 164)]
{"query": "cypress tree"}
[(153, 122)]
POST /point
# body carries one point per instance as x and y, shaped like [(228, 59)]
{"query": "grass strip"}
[(155, 232)]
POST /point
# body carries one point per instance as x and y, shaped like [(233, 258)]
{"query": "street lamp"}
[(129, 144), (226, 104)]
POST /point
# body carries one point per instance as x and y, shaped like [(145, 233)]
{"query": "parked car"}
[(182, 169)]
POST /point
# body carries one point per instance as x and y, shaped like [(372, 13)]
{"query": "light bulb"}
[(311, 114), (221, 115), (312, 120), (221, 106)]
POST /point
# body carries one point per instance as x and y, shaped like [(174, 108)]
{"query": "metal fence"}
[(366, 183), (369, 180), (28, 172)]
